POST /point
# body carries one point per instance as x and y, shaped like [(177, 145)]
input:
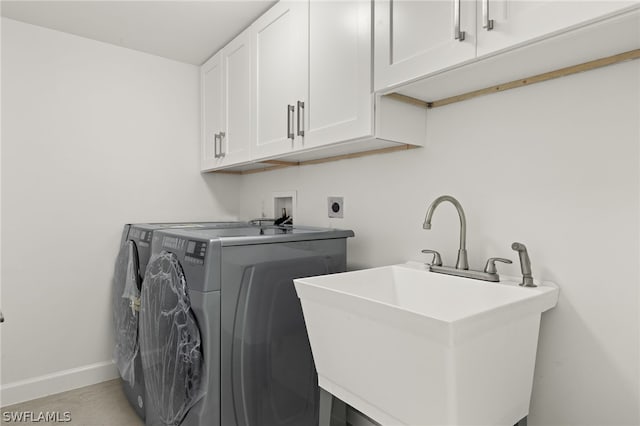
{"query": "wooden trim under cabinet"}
[(538, 78), (278, 164)]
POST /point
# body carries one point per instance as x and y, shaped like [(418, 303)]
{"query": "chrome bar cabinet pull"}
[(221, 136), (457, 34), (487, 23), (216, 138), (300, 113), (290, 110)]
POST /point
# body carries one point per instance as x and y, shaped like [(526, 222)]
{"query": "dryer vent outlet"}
[(335, 207)]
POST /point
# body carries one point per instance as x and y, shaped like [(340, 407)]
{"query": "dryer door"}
[(169, 342), (126, 304), (273, 377)]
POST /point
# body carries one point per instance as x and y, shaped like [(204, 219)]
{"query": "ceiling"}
[(186, 31)]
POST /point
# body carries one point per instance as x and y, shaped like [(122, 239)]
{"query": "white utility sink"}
[(406, 346)]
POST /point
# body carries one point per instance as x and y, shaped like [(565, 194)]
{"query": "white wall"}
[(93, 136), (555, 166)]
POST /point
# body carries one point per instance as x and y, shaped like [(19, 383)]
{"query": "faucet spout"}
[(462, 262)]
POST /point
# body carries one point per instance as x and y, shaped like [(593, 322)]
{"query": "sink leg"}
[(326, 402), (330, 404), (522, 422)]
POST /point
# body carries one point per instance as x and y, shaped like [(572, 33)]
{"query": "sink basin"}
[(406, 346)]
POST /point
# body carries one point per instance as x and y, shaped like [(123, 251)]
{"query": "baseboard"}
[(62, 381)]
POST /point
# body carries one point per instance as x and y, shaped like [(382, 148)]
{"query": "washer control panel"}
[(141, 235)]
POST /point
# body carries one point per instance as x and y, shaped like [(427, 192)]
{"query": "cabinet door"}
[(212, 100), (417, 37), (518, 21), (236, 137), (279, 42), (339, 103)]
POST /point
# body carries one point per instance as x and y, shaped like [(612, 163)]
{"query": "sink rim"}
[(546, 294)]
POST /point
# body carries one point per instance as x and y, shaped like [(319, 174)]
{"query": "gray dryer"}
[(223, 338)]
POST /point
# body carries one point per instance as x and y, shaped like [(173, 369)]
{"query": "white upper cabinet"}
[(225, 81), (505, 23), (299, 84), (415, 37), (339, 101), (280, 69), (236, 138), (212, 101)]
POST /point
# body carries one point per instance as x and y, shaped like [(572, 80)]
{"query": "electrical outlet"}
[(335, 206)]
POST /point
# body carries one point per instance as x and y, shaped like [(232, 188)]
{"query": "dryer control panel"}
[(196, 251)]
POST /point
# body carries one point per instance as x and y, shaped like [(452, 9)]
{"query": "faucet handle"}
[(490, 267), (437, 260)]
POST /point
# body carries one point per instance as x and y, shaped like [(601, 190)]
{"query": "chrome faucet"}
[(525, 264), (462, 265), (462, 262)]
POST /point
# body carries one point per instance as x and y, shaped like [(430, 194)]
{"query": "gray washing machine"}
[(223, 339), (135, 251)]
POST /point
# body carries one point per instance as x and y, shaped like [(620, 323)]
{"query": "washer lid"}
[(170, 341), (126, 304)]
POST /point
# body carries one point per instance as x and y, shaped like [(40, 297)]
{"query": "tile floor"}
[(102, 404)]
